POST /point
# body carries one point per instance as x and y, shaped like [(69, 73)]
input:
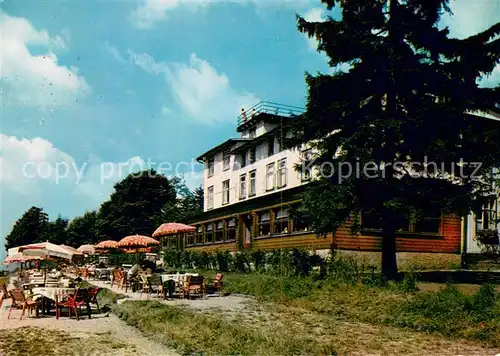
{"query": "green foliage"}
[(451, 312), (404, 99), (240, 262), (135, 206), (56, 231), (409, 282), (30, 227), (82, 230), (259, 259), (223, 260), (488, 237), (489, 242)]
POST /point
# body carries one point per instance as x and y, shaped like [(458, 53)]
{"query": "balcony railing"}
[(271, 108)]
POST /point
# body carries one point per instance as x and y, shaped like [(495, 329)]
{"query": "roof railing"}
[(269, 108)]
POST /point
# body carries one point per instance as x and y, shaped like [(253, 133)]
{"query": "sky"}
[(94, 90)]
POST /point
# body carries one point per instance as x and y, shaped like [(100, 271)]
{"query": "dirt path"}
[(103, 334)]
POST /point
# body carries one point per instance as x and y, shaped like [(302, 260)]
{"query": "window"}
[(243, 160), (373, 221), (190, 239), (264, 223), (231, 229), (251, 156), (252, 133), (210, 167), (243, 186), (219, 231), (253, 183), (210, 197), (199, 235), (281, 222), (306, 170), (487, 220), (225, 192), (270, 147), (301, 223), (428, 224), (270, 176), (209, 233), (281, 178), (226, 160)]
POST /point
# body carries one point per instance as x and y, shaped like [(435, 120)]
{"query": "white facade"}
[(233, 181)]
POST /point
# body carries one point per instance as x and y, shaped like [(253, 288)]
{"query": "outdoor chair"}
[(3, 294), (92, 295), (217, 284), (116, 278), (74, 303), (194, 284), (19, 300), (124, 282)]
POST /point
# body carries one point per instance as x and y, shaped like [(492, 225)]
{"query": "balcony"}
[(266, 110)]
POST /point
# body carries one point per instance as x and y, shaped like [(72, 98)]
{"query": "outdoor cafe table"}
[(178, 278), (49, 293), (52, 293)]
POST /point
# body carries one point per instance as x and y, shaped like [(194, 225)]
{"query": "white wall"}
[(293, 178)]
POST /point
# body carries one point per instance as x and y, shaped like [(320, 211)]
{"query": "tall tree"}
[(30, 227), (82, 230), (187, 205), (55, 231), (135, 205), (405, 99)]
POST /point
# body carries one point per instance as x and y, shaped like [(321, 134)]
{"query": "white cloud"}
[(36, 80), (114, 52), (316, 14), (199, 89), (470, 17), (492, 80), (33, 172), (205, 94), (25, 163), (151, 12), (147, 63)]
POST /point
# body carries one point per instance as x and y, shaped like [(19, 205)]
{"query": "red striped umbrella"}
[(19, 258), (107, 244), (137, 240), (172, 229)]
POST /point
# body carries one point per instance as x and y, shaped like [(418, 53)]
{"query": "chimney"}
[(243, 115)]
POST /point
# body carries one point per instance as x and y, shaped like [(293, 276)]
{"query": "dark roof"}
[(222, 146)]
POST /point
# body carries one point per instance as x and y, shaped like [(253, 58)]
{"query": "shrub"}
[(240, 262)]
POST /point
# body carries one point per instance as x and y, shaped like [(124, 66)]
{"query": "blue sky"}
[(93, 85)]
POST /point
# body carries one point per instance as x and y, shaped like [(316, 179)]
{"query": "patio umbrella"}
[(107, 244), (137, 241), (19, 258), (87, 249), (172, 229), (46, 249)]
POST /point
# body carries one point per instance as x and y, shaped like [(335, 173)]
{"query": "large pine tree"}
[(406, 98)]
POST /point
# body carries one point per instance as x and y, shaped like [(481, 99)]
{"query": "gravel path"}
[(111, 335)]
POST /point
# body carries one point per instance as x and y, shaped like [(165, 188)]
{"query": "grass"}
[(39, 341), (192, 332), (298, 315)]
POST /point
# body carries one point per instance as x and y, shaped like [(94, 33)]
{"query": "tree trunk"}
[(389, 263)]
